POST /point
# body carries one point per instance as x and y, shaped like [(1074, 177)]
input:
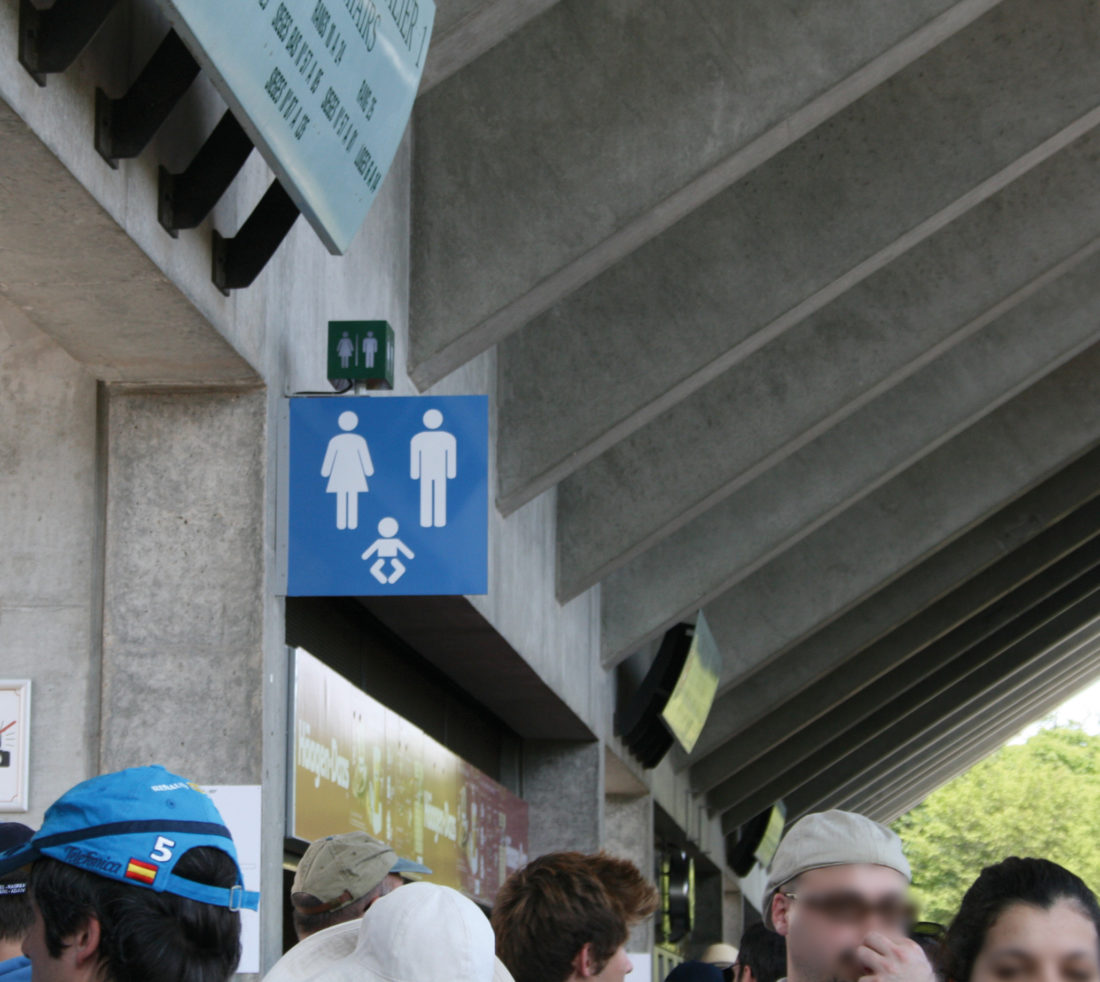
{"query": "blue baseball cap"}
[(133, 826)]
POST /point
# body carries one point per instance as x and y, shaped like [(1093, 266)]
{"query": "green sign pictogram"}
[(361, 351)]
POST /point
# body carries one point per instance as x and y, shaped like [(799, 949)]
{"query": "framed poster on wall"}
[(15, 722)]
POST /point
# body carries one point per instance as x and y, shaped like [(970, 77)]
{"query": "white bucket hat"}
[(721, 955), (422, 932)]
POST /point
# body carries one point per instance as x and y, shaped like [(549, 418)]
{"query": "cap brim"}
[(408, 866), (19, 856)]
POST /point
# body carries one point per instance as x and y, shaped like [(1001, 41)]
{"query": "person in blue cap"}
[(15, 909), (134, 876)]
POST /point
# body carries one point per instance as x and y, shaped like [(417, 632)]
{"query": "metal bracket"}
[(185, 199), (51, 39), (239, 260), (124, 126)]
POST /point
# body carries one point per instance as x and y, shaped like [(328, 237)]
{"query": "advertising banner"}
[(357, 765)]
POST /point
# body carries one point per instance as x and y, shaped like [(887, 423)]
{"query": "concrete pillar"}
[(718, 912), (629, 835), (563, 782), (733, 911), (183, 583), (184, 609)]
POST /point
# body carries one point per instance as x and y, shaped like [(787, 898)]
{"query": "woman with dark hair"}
[(1025, 920)]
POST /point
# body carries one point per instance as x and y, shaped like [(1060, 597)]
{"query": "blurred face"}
[(830, 913), (1028, 944)]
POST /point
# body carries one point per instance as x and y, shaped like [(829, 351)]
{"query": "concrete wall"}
[(140, 475), (563, 782), (629, 822), (49, 576), (279, 325)]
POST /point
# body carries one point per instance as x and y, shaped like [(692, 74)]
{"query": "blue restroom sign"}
[(388, 496)]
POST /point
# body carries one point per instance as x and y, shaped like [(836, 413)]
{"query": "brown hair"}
[(548, 911)]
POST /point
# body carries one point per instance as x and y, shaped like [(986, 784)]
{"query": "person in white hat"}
[(423, 932), (722, 956), (340, 876), (837, 891)]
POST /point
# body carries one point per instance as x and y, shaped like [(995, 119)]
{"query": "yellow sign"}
[(689, 705), (358, 766)]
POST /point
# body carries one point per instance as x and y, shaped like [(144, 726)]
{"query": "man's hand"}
[(893, 959)]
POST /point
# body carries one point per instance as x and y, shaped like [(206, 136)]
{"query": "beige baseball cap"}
[(340, 869), (832, 838), (424, 931)]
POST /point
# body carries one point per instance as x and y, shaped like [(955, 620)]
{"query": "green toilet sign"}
[(361, 351)]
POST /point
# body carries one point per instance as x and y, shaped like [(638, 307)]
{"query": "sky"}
[(1082, 708)]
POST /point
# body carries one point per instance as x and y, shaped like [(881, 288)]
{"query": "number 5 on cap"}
[(162, 851)]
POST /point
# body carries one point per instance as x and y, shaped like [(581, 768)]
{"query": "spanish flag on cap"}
[(142, 872)]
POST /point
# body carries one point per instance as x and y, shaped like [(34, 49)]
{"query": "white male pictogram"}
[(433, 461)]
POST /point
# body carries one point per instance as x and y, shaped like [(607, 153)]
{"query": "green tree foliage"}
[(1040, 798)]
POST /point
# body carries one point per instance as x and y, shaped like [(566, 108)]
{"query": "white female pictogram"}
[(347, 466), (345, 348)]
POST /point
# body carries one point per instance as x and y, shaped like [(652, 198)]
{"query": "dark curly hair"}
[(144, 934), (1037, 882)]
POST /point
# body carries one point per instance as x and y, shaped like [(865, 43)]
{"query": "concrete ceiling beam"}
[(924, 148), (916, 680), (914, 651), (933, 758), (68, 268), (1008, 698), (889, 809), (909, 519), (1069, 664), (928, 717), (465, 29), (600, 125), (788, 395), (663, 585), (966, 756), (996, 730), (1012, 651), (910, 603)]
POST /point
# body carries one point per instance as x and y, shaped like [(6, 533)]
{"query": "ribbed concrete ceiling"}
[(798, 308)]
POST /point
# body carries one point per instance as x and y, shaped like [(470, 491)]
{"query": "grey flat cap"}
[(832, 838)]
